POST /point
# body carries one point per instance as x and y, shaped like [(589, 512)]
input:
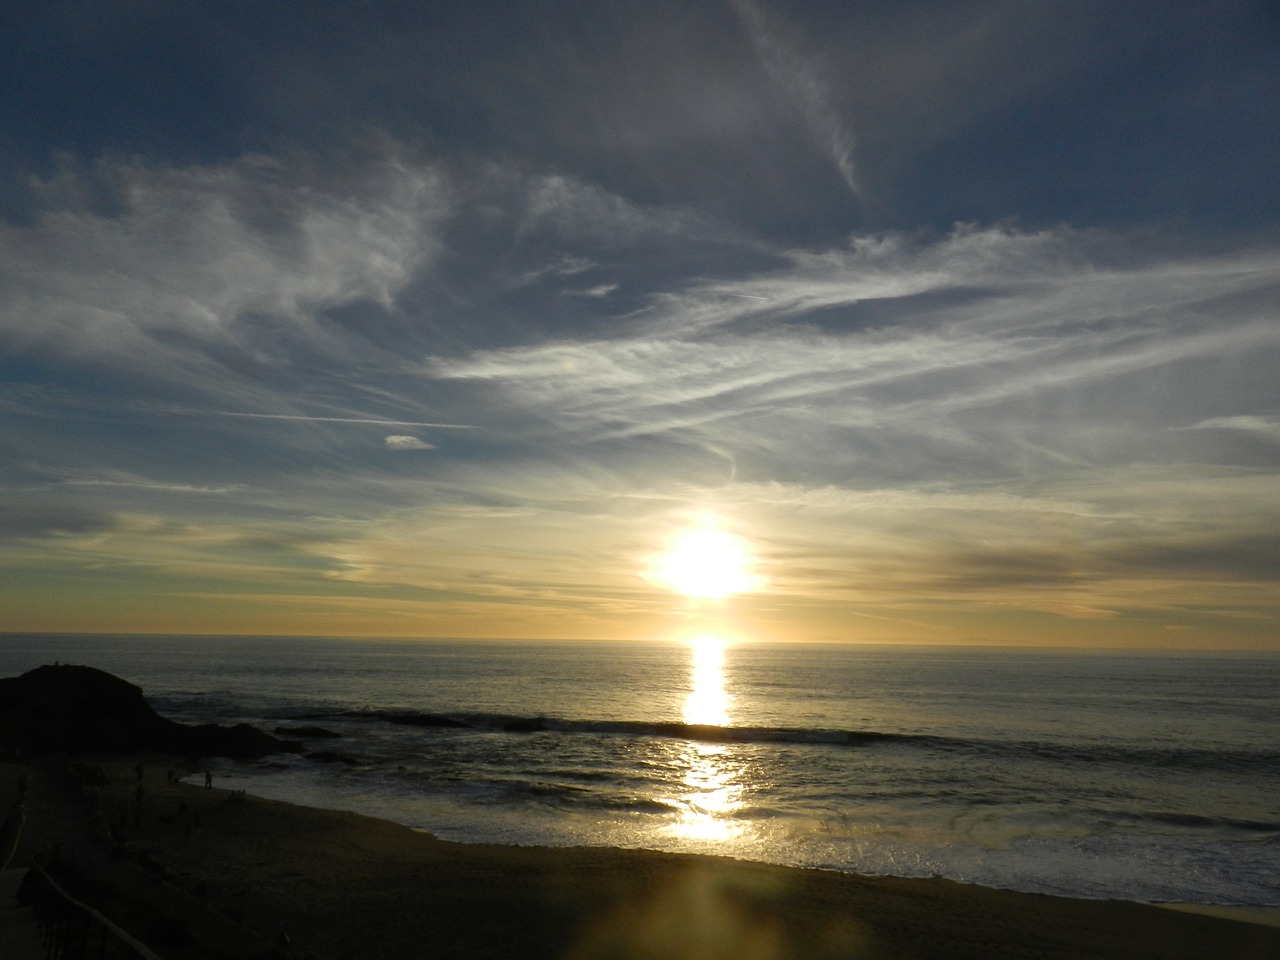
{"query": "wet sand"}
[(334, 885)]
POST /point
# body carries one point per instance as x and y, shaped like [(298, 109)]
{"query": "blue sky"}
[(439, 319)]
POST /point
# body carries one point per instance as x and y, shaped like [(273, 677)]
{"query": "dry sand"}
[(340, 885)]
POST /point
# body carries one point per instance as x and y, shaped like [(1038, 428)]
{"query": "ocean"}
[(1104, 775)]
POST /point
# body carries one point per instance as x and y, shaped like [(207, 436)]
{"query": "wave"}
[(1267, 828), (711, 733), (1199, 759), (1182, 759)]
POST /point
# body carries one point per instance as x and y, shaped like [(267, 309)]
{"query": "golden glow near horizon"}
[(706, 562)]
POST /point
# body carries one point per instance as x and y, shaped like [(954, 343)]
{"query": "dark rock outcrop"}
[(74, 710)]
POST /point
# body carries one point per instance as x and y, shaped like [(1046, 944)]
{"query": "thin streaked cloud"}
[(405, 442), (801, 82), (310, 419)]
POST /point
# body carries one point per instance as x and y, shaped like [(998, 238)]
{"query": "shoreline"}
[(342, 886), (1242, 913), (1264, 915)]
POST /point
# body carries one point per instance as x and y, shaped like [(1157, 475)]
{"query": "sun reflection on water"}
[(707, 703), (711, 781), (713, 794)]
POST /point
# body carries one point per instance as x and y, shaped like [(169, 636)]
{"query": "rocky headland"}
[(77, 710)]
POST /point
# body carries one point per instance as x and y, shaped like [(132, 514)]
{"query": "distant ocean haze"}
[(1142, 777)]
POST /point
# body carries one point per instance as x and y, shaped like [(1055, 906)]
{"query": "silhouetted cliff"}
[(75, 710)]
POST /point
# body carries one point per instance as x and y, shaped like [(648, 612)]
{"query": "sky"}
[(445, 318)]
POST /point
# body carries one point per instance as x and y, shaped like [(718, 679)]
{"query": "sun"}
[(706, 562)]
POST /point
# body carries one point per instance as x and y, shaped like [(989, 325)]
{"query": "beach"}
[(307, 882)]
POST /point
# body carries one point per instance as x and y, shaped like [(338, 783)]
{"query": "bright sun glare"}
[(706, 562)]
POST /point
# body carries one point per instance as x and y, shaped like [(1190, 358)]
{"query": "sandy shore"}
[(335, 885)]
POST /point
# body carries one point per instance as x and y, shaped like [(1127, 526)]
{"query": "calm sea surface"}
[(1097, 775)]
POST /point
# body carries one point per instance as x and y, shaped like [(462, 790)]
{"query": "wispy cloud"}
[(403, 442), (847, 343), (571, 208), (131, 481), (1266, 426), (43, 517), (309, 419), (594, 293), (209, 259), (791, 70)]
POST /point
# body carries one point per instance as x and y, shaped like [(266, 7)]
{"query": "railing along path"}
[(71, 930)]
